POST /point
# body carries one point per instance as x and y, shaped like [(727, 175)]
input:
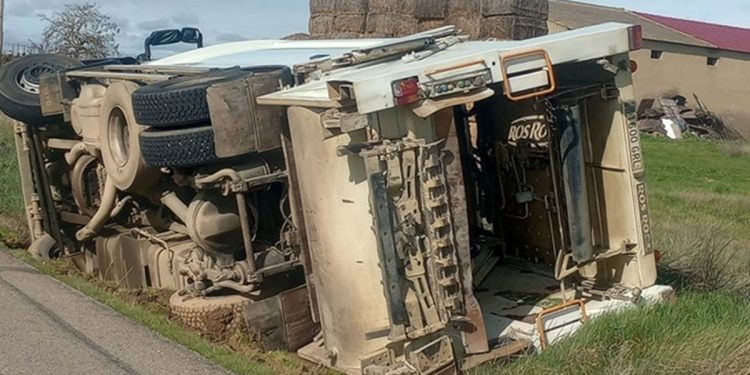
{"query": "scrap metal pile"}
[(671, 116)]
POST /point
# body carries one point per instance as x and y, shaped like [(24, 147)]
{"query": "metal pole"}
[(2, 25)]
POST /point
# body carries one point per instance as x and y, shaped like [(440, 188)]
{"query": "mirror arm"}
[(147, 47)]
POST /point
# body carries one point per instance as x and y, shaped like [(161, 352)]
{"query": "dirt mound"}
[(480, 19)]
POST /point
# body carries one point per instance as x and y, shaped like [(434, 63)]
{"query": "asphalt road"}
[(47, 327)]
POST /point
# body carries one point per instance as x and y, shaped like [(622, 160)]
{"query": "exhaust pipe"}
[(574, 182), (102, 215)]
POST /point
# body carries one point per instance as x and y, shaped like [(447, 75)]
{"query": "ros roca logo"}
[(530, 128)]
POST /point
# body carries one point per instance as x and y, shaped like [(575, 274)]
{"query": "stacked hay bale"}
[(480, 19), (338, 18), (513, 19), (387, 18)]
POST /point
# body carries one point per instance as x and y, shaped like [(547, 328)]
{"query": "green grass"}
[(11, 199), (699, 195), (701, 333)]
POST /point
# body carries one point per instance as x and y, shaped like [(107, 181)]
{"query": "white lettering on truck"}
[(530, 128)]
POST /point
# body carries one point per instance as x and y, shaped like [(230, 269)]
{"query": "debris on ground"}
[(671, 116)]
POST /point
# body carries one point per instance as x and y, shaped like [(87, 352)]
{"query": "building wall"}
[(683, 69), (723, 87)]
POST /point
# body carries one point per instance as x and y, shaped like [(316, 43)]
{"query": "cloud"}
[(229, 37), (185, 19), (159, 23), (123, 22), (20, 8)]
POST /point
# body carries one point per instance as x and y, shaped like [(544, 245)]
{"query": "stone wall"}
[(481, 19)]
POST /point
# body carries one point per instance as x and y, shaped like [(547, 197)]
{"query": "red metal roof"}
[(722, 36)]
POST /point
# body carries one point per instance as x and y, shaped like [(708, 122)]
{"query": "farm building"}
[(678, 57)]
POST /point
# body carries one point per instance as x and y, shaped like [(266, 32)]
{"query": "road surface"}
[(47, 327)]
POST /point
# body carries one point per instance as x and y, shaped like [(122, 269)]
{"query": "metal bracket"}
[(588, 288), (608, 93), (388, 257), (435, 357), (346, 122)]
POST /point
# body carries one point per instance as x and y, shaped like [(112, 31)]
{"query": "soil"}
[(13, 232)]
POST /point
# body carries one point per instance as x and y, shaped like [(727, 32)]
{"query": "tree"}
[(80, 31)]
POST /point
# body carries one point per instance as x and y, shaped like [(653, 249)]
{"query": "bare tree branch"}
[(80, 31)]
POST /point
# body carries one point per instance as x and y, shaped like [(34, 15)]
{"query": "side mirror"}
[(189, 35), (193, 36), (162, 37)]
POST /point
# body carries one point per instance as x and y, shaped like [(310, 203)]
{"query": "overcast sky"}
[(231, 20)]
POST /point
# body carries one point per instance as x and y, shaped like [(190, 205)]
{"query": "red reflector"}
[(633, 66), (635, 34), (406, 91)]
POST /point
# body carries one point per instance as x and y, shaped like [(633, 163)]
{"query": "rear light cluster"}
[(457, 84), (409, 90), (635, 36), (406, 91)]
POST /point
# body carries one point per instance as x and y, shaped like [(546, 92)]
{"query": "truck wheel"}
[(119, 132), (19, 85), (44, 248), (182, 101), (218, 316), (179, 147)]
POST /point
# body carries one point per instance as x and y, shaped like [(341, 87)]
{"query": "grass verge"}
[(12, 225), (701, 333)]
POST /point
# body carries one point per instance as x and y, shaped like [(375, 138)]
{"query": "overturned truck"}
[(417, 205)]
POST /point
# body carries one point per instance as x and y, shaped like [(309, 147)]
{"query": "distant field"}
[(700, 204)]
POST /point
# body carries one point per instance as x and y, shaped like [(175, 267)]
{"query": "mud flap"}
[(282, 322)]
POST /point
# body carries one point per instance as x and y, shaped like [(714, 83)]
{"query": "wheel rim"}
[(119, 136), (28, 79)]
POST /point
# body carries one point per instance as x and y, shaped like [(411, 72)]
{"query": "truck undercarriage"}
[(416, 208)]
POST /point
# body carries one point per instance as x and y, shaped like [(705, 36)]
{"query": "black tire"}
[(178, 147), (182, 101), (19, 80)]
